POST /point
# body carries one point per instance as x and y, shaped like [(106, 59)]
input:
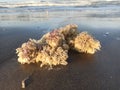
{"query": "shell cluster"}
[(52, 48)]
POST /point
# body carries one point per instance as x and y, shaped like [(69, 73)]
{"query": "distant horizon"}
[(10, 1)]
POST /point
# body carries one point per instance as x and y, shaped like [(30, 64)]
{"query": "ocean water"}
[(44, 12)]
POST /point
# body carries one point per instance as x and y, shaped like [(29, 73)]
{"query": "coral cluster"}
[(52, 48), (86, 43)]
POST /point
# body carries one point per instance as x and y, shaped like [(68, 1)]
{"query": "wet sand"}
[(84, 72)]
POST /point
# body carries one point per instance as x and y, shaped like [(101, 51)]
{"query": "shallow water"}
[(90, 72)]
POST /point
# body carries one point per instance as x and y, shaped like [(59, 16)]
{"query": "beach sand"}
[(83, 72)]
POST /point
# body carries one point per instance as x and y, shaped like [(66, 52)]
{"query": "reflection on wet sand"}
[(80, 57), (24, 16)]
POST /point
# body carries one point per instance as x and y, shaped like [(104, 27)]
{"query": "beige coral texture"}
[(52, 49)]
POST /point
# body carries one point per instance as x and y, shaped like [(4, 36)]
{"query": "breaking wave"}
[(92, 3)]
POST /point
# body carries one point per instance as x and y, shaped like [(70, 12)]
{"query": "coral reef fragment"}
[(52, 49)]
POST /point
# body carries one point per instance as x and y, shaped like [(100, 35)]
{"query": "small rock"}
[(107, 33), (26, 82)]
